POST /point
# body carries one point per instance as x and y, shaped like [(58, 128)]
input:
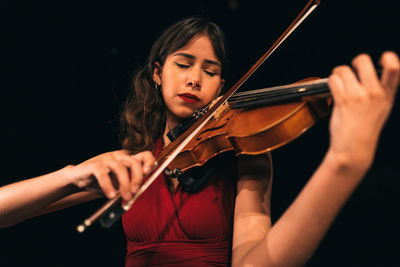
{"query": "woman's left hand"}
[(362, 104)]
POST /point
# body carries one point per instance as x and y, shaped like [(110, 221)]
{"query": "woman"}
[(226, 220)]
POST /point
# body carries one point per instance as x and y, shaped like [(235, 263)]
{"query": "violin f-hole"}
[(198, 138)]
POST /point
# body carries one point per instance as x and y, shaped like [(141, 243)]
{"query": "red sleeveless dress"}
[(165, 228)]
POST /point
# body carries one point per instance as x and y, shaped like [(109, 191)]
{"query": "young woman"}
[(227, 220)]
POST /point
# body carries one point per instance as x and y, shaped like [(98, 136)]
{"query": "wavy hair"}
[(143, 113)]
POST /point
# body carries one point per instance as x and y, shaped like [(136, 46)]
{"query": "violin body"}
[(251, 131)]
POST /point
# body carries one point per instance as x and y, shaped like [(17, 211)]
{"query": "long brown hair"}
[(143, 116)]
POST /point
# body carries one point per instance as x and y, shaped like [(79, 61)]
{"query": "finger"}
[(336, 86), (148, 161), (104, 180), (391, 71), (351, 86), (366, 71), (136, 174), (122, 175)]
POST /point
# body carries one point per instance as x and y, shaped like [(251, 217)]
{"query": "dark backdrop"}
[(66, 70)]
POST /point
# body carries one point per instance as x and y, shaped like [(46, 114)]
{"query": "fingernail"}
[(128, 195), (135, 188), (146, 169), (111, 194)]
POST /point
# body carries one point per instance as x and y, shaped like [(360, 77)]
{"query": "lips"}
[(189, 98)]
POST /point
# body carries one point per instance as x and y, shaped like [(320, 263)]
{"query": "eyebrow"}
[(209, 61)]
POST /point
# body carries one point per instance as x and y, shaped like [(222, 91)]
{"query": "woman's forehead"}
[(200, 46)]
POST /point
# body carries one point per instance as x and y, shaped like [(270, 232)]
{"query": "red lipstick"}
[(189, 98)]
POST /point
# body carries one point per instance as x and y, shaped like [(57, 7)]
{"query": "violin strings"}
[(280, 90)]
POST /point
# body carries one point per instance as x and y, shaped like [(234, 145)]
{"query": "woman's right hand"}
[(113, 171)]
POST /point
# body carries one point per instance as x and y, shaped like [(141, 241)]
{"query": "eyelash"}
[(210, 73), (183, 66)]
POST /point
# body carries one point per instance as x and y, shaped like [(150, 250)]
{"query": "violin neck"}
[(279, 94)]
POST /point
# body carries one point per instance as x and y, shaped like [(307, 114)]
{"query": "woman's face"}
[(190, 78)]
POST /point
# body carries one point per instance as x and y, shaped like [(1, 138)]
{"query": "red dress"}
[(165, 228)]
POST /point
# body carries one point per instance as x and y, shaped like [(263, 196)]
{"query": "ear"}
[(221, 85), (157, 73)]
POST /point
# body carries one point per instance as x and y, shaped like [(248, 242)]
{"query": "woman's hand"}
[(113, 171), (362, 104)]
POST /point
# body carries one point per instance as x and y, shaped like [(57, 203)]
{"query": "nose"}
[(194, 78)]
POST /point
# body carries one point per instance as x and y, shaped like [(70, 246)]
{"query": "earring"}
[(158, 87)]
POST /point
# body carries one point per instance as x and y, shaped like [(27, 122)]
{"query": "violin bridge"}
[(221, 109)]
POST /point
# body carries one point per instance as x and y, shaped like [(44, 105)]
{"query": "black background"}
[(66, 70)]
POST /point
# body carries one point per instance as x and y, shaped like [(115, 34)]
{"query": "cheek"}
[(171, 78), (213, 91)]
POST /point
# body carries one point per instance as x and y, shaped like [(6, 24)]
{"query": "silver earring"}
[(158, 87)]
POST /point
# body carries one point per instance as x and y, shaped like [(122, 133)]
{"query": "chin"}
[(185, 113)]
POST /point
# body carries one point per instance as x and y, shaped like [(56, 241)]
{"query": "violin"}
[(251, 122)]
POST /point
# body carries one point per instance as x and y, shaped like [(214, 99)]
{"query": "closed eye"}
[(182, 66), (210, 73), (185, 66)]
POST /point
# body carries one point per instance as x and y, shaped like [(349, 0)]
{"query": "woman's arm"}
[(109, 172), (28, 198), (361, 107), (252, 219)]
